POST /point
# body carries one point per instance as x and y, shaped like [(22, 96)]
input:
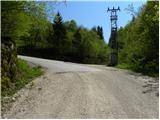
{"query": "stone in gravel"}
[(16, 95), (13, 99), (39, 88)]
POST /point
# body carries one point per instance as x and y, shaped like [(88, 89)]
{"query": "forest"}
[(26, 30), (139, 41), (66, 41)]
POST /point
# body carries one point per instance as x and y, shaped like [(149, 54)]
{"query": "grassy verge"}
[(25, 75), (125, 66), (122, 66)]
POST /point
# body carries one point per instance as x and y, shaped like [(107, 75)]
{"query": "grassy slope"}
[(26, 74)]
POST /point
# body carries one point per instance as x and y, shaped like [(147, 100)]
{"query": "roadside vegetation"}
[(139, 41), (15, 23), (66, 41), (25, 74)]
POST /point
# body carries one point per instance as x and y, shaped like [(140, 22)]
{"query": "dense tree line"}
[(67, 41), (139, 41)]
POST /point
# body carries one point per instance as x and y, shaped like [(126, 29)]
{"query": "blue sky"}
[(94, 13)]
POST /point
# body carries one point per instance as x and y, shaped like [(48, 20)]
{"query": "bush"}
[(139, 41), (26, 74)]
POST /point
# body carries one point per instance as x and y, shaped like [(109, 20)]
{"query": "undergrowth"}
[(25, 73)]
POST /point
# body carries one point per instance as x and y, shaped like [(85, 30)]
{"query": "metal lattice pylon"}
[(113, 58)]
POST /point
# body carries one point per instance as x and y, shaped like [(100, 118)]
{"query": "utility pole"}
[(113, 44)]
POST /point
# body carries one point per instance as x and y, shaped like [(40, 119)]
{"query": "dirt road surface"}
[(69, 90)]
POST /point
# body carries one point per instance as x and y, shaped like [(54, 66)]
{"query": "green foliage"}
[(38, 26), (71, 42), (26, 74), (8, 59), (88, 47), (139, 41), (10, 20), (99, 31), (27, 71), (59, 38), (18, 22), (71, 26), (25, 22), (27, 25), (123, 66), (5, 83)]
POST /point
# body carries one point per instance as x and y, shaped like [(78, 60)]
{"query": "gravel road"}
[(69, 90)]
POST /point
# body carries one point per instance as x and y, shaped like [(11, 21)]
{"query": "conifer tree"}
[(59, 33), (100, 32)]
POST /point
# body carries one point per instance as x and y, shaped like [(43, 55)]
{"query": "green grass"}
[(26, 74), (123, 66), (126, 66)]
